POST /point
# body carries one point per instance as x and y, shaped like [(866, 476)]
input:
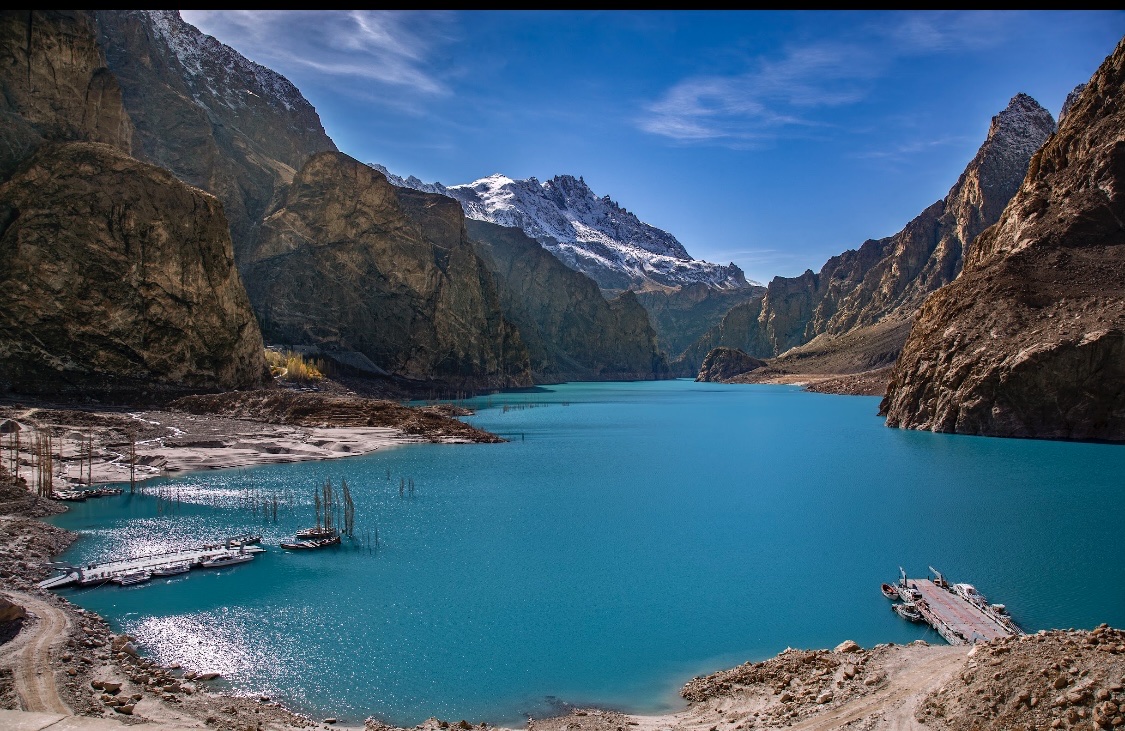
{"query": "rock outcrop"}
[(118, 280), (572, 333), (1030, 340), (54, 85), (347, 261), (208, 114), (890, 277), (722, 364)]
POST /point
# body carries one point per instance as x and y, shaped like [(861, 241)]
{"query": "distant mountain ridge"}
[(593, 235), (887, 279)]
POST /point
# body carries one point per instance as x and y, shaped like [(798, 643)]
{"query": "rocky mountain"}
[(209, 115), (1030, 340), (116, 279), (572, 333), (589, 234), (724, 363), (1071, 98), (54, 85), (347, 262), (887, 279)]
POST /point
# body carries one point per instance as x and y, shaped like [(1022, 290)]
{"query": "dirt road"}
[(892, 706), (29, 654)]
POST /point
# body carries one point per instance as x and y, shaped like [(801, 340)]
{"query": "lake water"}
[(628, 537)]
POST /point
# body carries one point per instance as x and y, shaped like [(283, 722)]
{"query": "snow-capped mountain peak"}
[(593, 235)]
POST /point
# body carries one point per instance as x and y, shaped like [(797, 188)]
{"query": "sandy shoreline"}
[(172, 442)]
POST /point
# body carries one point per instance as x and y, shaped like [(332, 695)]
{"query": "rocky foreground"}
[(1063, 679)]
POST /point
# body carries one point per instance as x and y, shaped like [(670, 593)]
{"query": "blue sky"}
[(771, 139)]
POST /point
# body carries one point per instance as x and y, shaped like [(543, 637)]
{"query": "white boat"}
[(908, 612), (226, 559), (316, 534), (969, 593), (172, 569), (133, 577)]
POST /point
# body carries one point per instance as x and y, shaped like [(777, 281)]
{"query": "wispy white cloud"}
[(784, 93), (390, 50), (902, 151)]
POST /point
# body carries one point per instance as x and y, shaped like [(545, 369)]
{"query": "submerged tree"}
[(349, 510)]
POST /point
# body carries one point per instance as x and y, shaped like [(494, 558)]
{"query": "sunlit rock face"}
[(117, 280), (1030, 340), (346, 261)]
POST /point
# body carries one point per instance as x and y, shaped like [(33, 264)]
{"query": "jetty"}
[(96, 574), (957, 612)]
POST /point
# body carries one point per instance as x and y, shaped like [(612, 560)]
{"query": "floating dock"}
[(958, 613), (96, 574)]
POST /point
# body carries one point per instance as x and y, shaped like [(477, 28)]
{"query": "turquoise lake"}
[(628, 537)]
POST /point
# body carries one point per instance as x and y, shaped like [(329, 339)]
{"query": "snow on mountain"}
[(592, 235), (204, 58)]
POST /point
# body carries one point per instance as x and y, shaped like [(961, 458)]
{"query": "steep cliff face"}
[(571, 331), (348, 261), (1030, 340), (203, 111), (118, 280), (54, 85), (890, 277)]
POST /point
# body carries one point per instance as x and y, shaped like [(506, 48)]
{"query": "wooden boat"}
[(306, 545), (227, 559), (908, 612), (172, 569), (890, 591), (133, 577)]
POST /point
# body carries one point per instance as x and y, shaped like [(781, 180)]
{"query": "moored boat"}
[(889, 591), (317, 534), (305, 545), (226, 559), (172, 569), (908, 612), (133, 577)]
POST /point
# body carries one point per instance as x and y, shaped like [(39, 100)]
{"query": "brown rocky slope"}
[(347, 261), (889, 278), (1030, 340), (116, 278)]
